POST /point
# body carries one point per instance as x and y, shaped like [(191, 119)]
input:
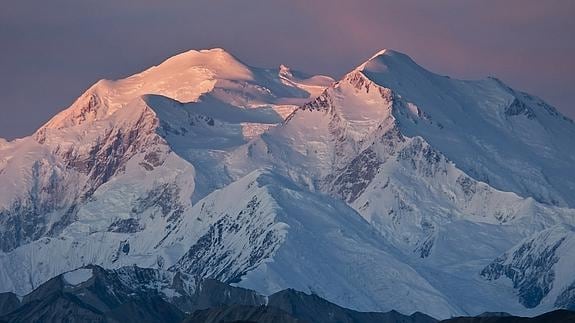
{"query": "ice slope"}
[(277, 235), (328, 242)]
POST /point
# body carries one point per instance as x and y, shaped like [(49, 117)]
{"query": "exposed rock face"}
[(205, 259), (567, 298), (240, 313), (130, 294), (355, 178), (8, 303), (28, 217), (70, 175), (312, 308), (111, 151), (517, 107), (423, 158), (557, 316), (532, 267)]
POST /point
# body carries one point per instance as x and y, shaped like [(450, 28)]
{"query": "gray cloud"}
[(50, 51)]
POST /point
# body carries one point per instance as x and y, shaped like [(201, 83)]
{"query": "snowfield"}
[(78, 276)]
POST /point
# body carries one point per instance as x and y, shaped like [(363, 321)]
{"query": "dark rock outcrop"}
[(242, 313), (8, 303), (293, 306), (529, 267), (133, 294), (127, 294), (566, 299), (312, 308), (558, 316)]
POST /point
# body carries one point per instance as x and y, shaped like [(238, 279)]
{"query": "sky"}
[(51, 51)]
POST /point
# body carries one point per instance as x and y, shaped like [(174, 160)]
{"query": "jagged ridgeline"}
[(393, 188), (133, 294)]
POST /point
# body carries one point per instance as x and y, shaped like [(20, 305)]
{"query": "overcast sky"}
[(51, 51)]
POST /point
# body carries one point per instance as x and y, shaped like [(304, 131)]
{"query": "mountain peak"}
[(212, 53), (216, 60), (214, 50), (285, 70), (384, 60), (389, 54), (217, 51), (383, 52)]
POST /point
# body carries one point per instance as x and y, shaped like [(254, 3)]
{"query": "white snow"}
[(466, 121), (78, 276)]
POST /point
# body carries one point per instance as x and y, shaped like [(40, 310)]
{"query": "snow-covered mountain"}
[(120, 133), (393, 188)]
